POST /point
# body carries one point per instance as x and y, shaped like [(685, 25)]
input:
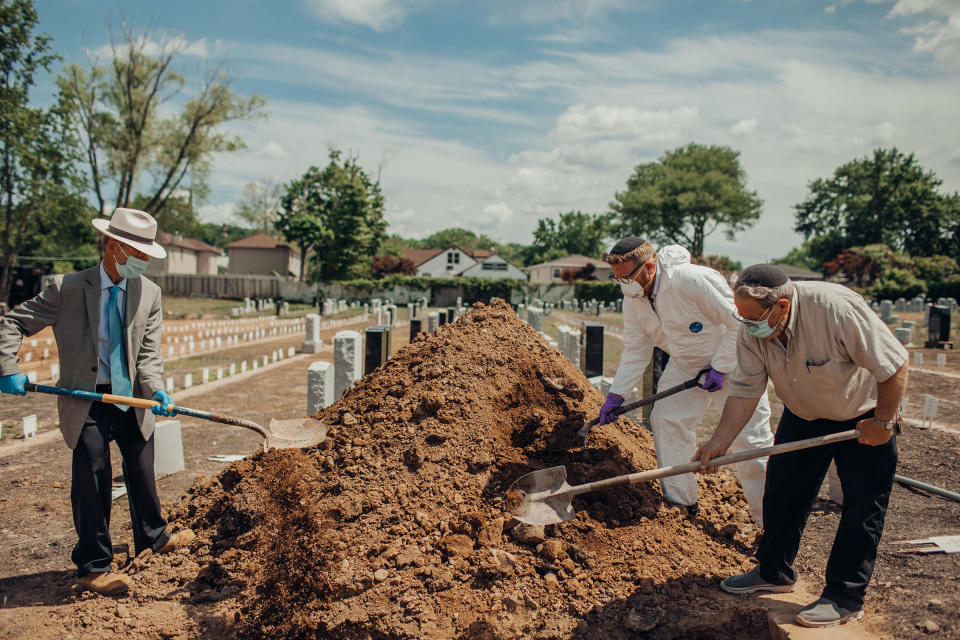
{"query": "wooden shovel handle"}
[(690, 467)]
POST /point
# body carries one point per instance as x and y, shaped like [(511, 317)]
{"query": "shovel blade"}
[(295, 434), (540, 497)]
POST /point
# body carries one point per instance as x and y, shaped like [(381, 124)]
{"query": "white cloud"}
[(379, 15), (499, 214), (274, 151), (151, 47), (218, 213), (940, 36), (744, 127), (830, 9), (581, 122)]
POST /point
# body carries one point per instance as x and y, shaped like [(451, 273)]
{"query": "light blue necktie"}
[(119, 377)]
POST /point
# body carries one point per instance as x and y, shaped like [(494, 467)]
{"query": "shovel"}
[(692, 382), (281, 434), (544, 497)]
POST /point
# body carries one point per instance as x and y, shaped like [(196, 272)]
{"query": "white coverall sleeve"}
[(637, 350), (716, 302)]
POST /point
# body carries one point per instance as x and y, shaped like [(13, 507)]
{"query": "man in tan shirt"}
[(835, 366)]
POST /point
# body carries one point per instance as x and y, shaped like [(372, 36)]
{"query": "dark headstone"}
[(938, 327), (591, 349), (415, 327), (376, 348)]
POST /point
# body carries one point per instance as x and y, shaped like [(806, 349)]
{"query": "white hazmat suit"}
[(691, 319)]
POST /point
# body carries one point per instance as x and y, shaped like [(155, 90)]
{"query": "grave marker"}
[(29, 426), (930, 405), (320, 386), (348, 360), (167, 448)]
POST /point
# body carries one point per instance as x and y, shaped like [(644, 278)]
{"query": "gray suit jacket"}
[(71, 304)]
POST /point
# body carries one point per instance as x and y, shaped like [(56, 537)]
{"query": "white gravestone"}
[(29, 426), (347, 360), (167, 448), (930, 405), (320, 386)]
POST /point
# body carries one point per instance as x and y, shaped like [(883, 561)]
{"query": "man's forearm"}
[(890, 393)]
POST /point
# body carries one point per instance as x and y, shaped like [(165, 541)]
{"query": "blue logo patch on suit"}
[(696, 327)]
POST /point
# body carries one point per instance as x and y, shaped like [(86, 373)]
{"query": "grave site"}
[(398, 524)]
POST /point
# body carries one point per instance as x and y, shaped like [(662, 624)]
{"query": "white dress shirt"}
[(103, 326)]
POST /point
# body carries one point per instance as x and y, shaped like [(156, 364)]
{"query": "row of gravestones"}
[(354, 356), (591, 307), (209, 374), (260, 304)]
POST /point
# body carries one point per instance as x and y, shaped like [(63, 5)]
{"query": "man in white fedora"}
[(107, 324)]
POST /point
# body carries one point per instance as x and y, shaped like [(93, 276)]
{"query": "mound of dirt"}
[(395, 526)]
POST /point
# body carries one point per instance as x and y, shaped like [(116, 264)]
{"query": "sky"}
[(491, 114)]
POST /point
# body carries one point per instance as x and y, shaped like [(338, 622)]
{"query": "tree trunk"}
[(303, 260)]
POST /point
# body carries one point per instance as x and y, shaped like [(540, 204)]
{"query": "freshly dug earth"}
[(395, 526)]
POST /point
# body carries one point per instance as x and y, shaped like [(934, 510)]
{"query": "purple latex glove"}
[(713, 381), (611, 404)]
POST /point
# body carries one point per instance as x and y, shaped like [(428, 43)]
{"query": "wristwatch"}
[(890, 425)]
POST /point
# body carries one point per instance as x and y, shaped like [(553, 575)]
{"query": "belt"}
[(104, 388)]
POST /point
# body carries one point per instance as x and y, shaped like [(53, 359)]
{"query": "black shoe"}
[(693, 510), (751, 582)]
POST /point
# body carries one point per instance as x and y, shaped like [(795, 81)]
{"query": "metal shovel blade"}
[(294, 434), (540, 497)]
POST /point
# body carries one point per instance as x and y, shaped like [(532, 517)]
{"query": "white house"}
[(454, 261), (184, 255), (493, 267), (548, 272)]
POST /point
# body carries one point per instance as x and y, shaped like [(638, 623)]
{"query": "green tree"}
[(886, 198), (36, 176), (337, 213), (260, 205), (121, 109), (394, 244), (685, 196), (800, 257), (573, 233), (935, 268), (463, 238)]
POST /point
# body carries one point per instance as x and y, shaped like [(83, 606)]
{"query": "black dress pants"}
[(792, 484), (90, 494)]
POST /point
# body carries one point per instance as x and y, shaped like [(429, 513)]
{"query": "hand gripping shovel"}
[(544, 497), (281, 434), (692, 382)]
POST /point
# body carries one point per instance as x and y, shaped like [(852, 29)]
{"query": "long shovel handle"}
[(689, 467), (692, 382), (143, 403)]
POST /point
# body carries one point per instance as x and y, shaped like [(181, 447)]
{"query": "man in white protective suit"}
[(686, 310)]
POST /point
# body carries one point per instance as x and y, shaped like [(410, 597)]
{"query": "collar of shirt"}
[(106, 282), (792, 321)]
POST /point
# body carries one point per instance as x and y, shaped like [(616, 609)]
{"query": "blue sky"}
[(493, 113)]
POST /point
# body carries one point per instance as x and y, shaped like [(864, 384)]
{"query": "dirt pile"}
[(395, 526)]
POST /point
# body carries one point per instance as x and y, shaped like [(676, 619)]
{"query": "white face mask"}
[(133, 268), (632, 290)]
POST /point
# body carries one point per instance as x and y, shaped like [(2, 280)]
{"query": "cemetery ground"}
[(911, 595)]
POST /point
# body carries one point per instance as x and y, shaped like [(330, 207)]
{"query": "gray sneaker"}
[(825, 613), (751, 582)]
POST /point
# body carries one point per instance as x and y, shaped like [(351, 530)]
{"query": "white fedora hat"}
[(135, 228)]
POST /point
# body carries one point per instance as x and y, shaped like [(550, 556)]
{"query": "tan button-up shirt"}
[(837, 350)]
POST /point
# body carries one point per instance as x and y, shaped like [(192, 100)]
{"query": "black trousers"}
[(90, 494), (792, 484)]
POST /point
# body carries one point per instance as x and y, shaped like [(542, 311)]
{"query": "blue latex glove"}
[(13, 383), (611, 404), (713, 381), (164, 399)]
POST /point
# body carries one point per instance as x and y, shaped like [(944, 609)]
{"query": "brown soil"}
[(395, 526)]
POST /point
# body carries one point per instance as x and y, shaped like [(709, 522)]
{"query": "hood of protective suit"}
[(673, 255)]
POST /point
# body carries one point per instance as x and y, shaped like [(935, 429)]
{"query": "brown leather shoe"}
[(179, 539), (108, 584)]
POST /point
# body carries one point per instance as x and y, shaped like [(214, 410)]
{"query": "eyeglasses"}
[(629, 278), (742, 320)]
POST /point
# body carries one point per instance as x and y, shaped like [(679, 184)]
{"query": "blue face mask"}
[(762, 330), (133, 268)]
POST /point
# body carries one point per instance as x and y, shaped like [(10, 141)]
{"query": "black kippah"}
[(626, 245), (763, 275)]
